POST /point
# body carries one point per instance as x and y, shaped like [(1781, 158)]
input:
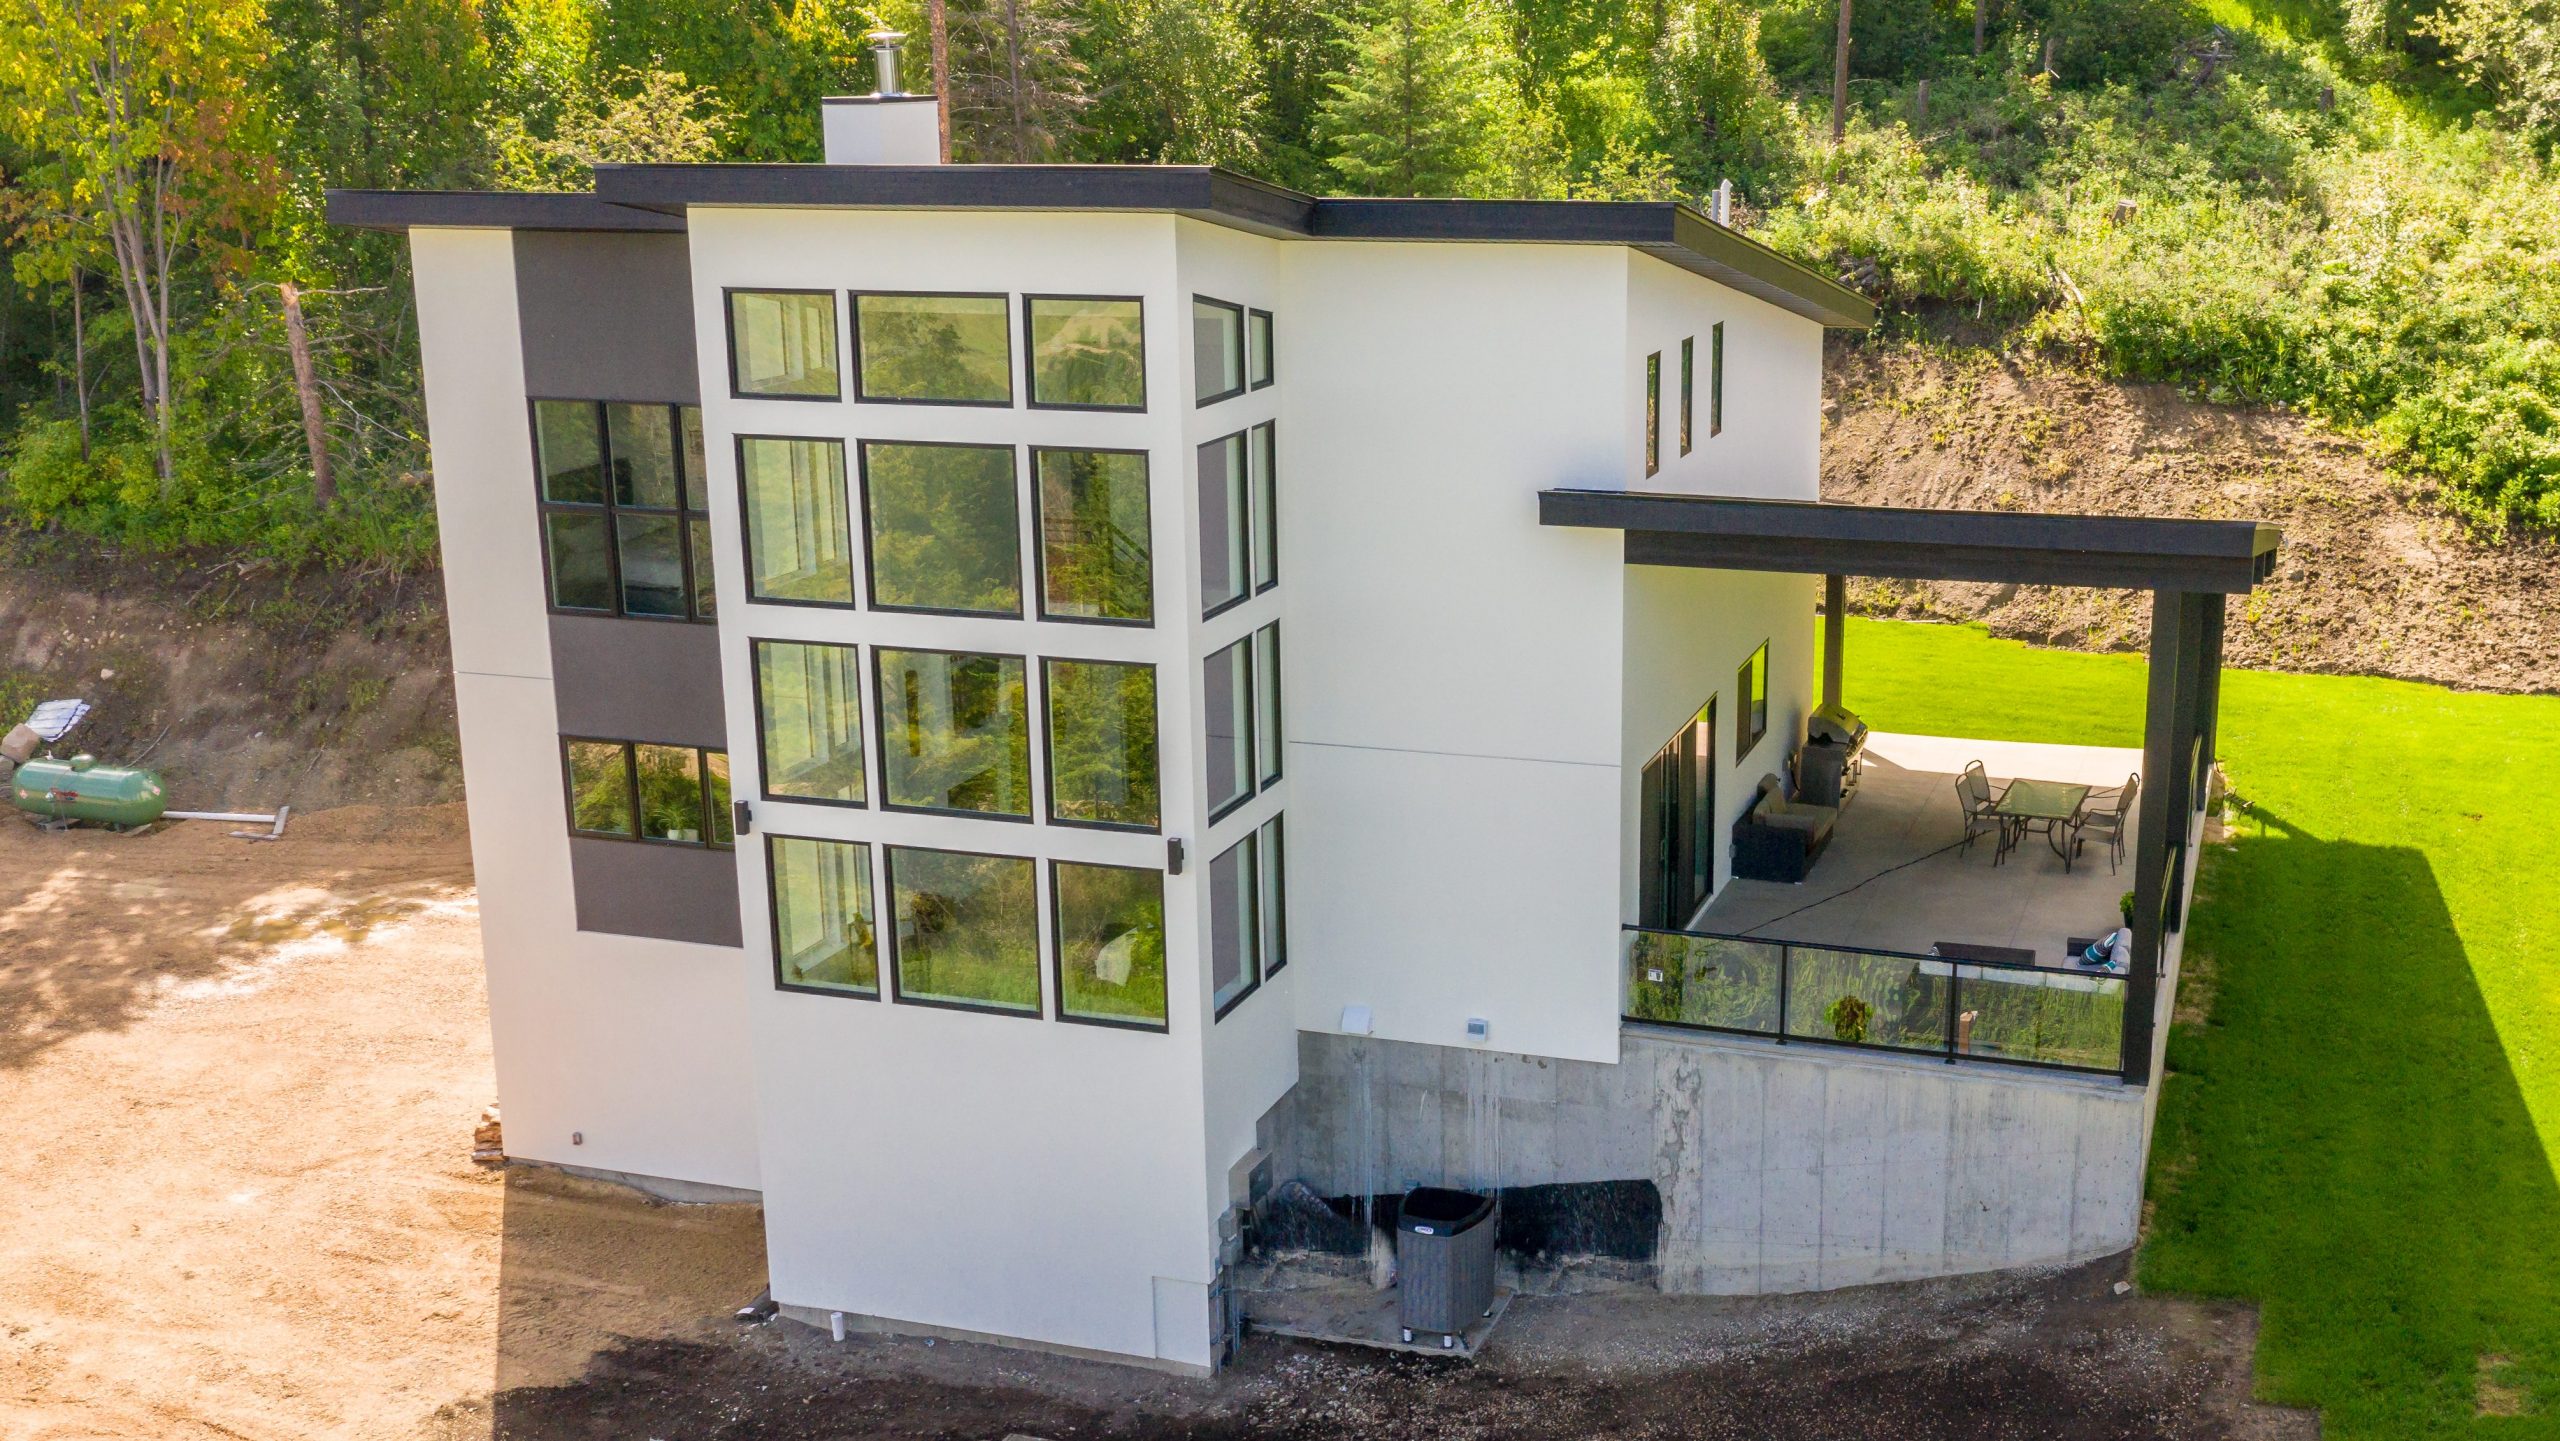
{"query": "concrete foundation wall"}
[(1782, 1168)]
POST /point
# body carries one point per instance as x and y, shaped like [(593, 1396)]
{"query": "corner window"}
[(955, 732), (823, 936), (623, 499), (1653, 413), (1108, 923), (799, 550), (1262, 460), (965, 930), (1226, 523), (634, 790), (1266, 703), (1227, 694), (1257, 348), (1688, 373), (1217, 350), (1715, 379), (1102, 743), (1751, 687), (1235, 926), (809, 721), (1274, 906), (1087, 352), (1096, 546), (944, 527), (932, 349), (782, 344)]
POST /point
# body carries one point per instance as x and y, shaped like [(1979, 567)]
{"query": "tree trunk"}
[(80, 360), (941, 31), (1981, 23), (324, 486), (1840, 79), (1013, 65), (1920, 106)]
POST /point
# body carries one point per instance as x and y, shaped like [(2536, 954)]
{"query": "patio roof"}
[(1821, 538)]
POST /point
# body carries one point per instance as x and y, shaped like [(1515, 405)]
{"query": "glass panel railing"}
[(2052, 1018), (1680, 979), (1867, 999)]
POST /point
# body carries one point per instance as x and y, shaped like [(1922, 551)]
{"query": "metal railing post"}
[(1955, 982), (1786, 959)]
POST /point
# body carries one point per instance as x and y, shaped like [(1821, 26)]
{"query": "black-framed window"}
[(1097, 547), (1226, 523), (1653, 413), (1266, 703), (1262, 463), (1688, 386), (1715, 379), (809, 721), (1102, 743), (1751, 714), (624, 502), (965, 930), (641, 791), (824, 932), (932, 349), (1235, 925), (1227, 697), (1085, 352), (944, 527), (954, 732), (799, 539), (782, 344), (1257, 349), (1217, 350), (1108, 943), (1274, 898)]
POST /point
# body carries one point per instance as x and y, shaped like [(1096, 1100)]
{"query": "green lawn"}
[(2361, 1135)]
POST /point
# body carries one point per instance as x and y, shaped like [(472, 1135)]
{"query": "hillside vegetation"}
[(2344, 208)]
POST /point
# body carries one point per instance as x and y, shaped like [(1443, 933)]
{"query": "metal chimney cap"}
[(884, 51)]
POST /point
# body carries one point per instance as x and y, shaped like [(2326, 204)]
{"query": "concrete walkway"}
[(1895, 878)]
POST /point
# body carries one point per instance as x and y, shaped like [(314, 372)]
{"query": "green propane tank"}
[(80, 789)]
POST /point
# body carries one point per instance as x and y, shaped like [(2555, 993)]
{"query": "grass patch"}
[(2359, 1136)]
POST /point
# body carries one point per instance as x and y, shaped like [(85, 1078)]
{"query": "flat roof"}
[(1997, 546), (655, 197)]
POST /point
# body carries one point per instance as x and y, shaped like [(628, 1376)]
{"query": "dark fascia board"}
[(489, 210), (1668, 231), (1812, 537)]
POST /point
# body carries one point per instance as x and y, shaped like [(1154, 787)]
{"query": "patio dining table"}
[(2030, 804)]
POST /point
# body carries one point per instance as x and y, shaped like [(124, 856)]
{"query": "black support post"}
[(1835, 633), (2209, 691), (2159, 821)]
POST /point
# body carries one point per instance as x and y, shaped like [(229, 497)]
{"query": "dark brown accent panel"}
[(670, 893), (647, 680), (606, 316)]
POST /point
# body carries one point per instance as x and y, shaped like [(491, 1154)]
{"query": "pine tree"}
[(1017, 89), (1174, 82), (1713, 96), (1427, 102)]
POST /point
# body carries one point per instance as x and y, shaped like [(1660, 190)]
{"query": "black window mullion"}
[(631, 789)]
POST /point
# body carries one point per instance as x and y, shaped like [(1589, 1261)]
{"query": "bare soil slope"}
[(2370, 583)]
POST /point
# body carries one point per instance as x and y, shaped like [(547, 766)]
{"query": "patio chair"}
[(2110, 824), (1981, 803)]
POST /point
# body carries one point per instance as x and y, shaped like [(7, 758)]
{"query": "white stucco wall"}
[(1771, 445), (638, 1045)]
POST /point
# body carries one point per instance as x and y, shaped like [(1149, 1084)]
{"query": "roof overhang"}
[(1997, 546), (489, 210)]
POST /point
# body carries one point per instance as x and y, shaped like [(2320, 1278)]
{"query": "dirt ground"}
[(243, 1077)]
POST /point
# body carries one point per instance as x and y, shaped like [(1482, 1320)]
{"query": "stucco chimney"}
[(888, 127)]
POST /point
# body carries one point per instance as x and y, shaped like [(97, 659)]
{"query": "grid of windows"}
[(623, 497), (638, 791)]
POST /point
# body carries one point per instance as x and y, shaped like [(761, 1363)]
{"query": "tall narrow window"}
[(1688, 386), (944, 527), (1096, 549), (1266, 703), (1274, 900), (809, 721), (799, 551), (1227, 694), (1226, 561), (1653, 413), (1235, 926), (1102, 743), (1263, 460), (1715, 379), (1217, 350), (782, 344), (1087, 352), (1257, 348), (1751, 687), (1109, 925), (936, 349), (955, 732), (966, 930), (622, 509), (823, 936)]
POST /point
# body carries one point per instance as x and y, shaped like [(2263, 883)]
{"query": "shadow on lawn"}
[(2345, 1139)]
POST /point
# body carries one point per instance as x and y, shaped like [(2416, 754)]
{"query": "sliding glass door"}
[(1677, 806)]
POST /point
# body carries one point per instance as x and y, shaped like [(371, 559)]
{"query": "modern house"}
[(1011, 710)]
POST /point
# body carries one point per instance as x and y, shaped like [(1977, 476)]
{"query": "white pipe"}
[(236, 817), (835, 1324)]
